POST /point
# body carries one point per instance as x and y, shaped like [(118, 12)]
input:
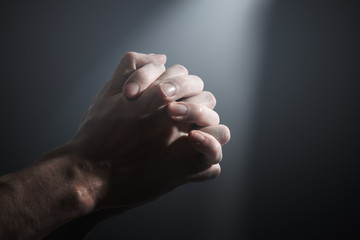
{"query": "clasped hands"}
[(149, 130)]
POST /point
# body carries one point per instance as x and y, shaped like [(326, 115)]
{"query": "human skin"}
[(132, 146)]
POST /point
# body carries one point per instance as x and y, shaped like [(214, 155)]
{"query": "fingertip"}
[(168, 89), (227, 135), (214, 171), (197, 138), (131, 89), (206, 145), (176, 110)]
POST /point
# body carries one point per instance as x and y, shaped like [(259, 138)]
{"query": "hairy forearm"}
[(43, 196)]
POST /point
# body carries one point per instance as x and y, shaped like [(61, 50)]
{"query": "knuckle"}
[(197, 112), (181, 68), (129, 56), (155, 65), (129, 62)]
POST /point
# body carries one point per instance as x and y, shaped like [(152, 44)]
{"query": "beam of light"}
[(220, 41)]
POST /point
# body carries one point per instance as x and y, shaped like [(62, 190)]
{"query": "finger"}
[(221, 133), (142, 78), (178, 87), (188, 112), (171, 89), (132, 86), (130, 62), (173, 71), (211, 173), (205, 98), (207, 145)]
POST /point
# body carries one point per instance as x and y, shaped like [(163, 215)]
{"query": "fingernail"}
[(197, 137), (178, 109), (131, 89), (168, 89)]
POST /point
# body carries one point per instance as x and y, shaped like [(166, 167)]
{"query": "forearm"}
[(43, 196)]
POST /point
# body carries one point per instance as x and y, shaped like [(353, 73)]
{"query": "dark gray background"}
[(285, 74)]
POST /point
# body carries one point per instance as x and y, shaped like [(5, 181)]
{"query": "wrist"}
[(55, 189), (84, 180)]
